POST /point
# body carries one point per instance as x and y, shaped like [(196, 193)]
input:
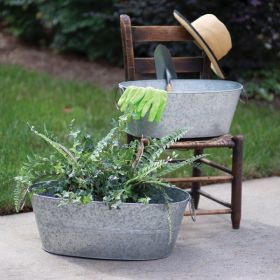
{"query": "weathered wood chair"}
[(133, 65)]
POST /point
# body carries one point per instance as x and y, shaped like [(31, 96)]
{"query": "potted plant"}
[(106, 200)]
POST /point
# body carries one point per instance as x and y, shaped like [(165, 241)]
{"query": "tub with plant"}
[(105, 200)]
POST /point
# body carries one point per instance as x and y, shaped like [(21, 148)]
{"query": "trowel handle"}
[(169, 87)]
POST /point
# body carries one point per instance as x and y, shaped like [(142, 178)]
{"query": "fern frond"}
[(150, 168), (171, 167), (36, 168), (145, 173), (103, 144), (157, 147), (20, 192), (57, 146)]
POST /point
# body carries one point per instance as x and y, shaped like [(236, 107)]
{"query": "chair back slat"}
[(182, 65), (174, 33), (142, 34)]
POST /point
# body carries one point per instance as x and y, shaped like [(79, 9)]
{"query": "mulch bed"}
[(9, 210), (68, 67)]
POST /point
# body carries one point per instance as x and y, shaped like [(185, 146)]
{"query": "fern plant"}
[(111, 170)]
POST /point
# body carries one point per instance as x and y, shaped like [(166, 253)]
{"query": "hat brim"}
[(201, 42)]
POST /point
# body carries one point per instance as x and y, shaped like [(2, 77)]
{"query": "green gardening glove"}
[(155, 102), (161, 108), (146, 101), (141, 100), (156, 105), (131, 94)]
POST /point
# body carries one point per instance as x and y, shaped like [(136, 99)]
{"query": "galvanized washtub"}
[(133, 232), (205, 106)]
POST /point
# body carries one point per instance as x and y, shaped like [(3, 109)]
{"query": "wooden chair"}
[(201, 64)]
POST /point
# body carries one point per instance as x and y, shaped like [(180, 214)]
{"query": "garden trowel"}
[(165, 68)]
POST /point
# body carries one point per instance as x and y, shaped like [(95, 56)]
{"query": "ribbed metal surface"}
[(205, 106), (133, 232)]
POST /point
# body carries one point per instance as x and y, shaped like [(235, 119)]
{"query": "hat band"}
[(202, 39)]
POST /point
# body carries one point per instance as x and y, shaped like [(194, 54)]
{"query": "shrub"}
[(85, 27), (92, 27), (21, 16), (262, 84)]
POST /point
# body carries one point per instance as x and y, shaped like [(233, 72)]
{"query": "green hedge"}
[(82, 26), (92, 27), (262, 84)]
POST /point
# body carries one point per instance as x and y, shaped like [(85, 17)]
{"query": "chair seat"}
[(215, 142)]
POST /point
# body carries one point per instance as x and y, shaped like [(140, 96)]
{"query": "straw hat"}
[(211, 35)]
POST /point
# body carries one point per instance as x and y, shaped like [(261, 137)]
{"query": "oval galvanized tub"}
[(205, 106), (133, 232)]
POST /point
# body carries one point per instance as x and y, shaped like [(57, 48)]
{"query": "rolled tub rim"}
[(187, 198), (239, 87)]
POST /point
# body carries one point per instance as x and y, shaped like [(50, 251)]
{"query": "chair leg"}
[(236, 186), (196, 185)]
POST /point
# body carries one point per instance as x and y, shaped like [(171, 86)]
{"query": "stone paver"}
[(208, 249)]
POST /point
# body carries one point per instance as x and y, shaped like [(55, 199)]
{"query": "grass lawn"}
[(41, 100)]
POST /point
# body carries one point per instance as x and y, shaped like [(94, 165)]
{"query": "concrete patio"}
[(207, 249)]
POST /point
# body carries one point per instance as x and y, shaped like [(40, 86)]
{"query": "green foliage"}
[(108, 171), (86, 27), (21, 16), (92, 27), (262, 84)]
